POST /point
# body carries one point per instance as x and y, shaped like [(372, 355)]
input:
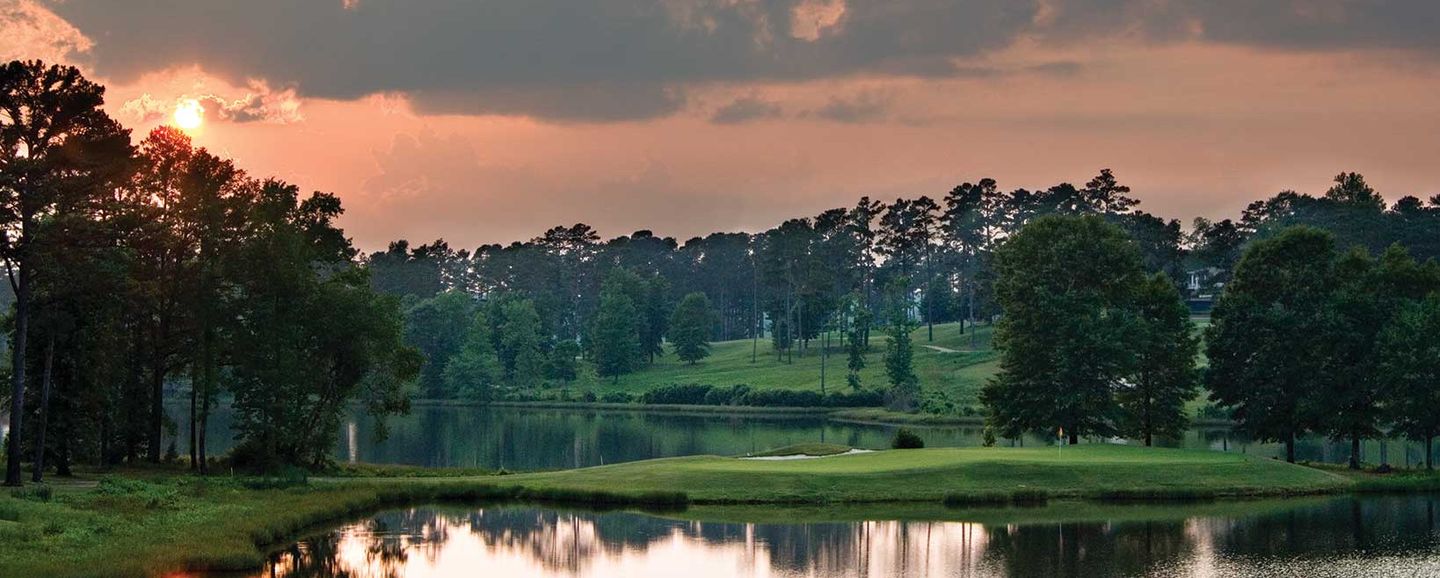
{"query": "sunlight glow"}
[(189, 115)]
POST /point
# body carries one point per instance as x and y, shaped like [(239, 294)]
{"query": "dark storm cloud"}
[(632, 59), (746, 109), (867, 106)]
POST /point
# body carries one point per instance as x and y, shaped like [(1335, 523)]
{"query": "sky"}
[(491, 121)]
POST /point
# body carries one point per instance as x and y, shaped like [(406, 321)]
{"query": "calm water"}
[(528, 439), (1314, 538)]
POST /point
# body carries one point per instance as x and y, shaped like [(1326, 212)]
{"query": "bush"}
[(288, 477), (906, 440), (41, 493), (863, 398), (732, 395), (676, 394), (147, 494), (783, 398), (618, 397), (744, 395)]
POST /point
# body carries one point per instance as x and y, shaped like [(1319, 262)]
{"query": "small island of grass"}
[(815, 450)]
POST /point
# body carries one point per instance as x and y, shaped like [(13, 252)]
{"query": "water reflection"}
[(1389, 536), (534, 438)]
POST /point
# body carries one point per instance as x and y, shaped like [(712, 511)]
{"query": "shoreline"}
[(162, 519)]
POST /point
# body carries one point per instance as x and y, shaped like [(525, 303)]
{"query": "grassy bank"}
[(148, 523), (957, 475), (144, 522)]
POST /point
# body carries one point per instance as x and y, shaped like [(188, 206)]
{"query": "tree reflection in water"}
[(1342, 536)]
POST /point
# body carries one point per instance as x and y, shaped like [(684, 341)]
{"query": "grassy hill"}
[(955, 369), (980, 474)]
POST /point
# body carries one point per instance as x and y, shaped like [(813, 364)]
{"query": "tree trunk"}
[(194, 439), (1429, 452), (1290, 448), (39, 474), (1074, 438), (17, 377), (1355, 452), (157, 409)]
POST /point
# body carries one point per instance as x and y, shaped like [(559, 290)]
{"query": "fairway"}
[(1092, 471), (958, 373)]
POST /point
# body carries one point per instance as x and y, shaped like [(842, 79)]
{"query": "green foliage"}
[(1267, 343), (439, 328), (1410, 364), (906, 440), (519, 350), (38, 493), (475, 372), (314, 342), (564, 361), (1165, 379), (657, 317), (744, 395), (900, 364), (1070, 331), (690, 328), (615, 336)]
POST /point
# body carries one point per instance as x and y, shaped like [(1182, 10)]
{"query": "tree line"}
[(840, 274), (1305, 338), (140, 267)]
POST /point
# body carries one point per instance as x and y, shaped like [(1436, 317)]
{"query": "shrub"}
[(686, 394), (1031, 496), (41, 493), (906, 440), (288, 477), (783, 398), (147, 494), (618, 397), (732, 395), (862, 398)]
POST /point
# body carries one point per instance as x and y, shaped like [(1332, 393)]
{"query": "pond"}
[(1315, 538), (527, 438)]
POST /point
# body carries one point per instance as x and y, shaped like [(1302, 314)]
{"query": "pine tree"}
[(614, 336), (900, 364), (690, 328)]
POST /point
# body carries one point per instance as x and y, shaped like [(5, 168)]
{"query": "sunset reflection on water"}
[(1393, 536)]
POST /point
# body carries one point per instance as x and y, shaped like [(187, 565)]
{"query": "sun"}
[(189, 115)]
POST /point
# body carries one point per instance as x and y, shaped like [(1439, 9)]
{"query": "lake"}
[(1311, 537), (526, 438)]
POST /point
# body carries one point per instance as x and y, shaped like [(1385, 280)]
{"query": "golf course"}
[(153, 520)]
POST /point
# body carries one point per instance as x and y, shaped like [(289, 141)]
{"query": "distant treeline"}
[(834, 272)]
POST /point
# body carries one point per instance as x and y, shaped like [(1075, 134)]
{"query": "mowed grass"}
[(959, 375), (1091, 471), (145, 523)]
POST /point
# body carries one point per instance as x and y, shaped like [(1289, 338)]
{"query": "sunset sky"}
[(489, 121)]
